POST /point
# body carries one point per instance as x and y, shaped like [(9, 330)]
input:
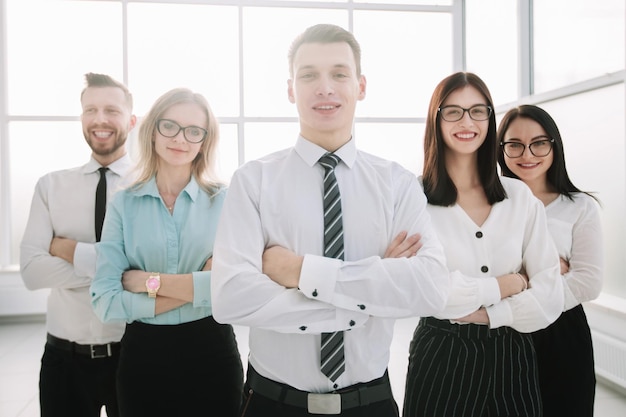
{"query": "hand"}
[(63, 248), (282, 266), (511, 284), (564, 266), (208, 264), (134, 280), (403, 247), (478, 317)]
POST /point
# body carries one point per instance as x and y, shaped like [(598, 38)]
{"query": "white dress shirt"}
[(576, 229), (277, 200), (63, 205), (514, 238)]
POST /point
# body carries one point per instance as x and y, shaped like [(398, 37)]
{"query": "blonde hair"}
[(203, 166)]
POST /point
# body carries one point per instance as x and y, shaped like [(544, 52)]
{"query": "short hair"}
[(103, 80), (438, 186), (325, 33), (203, 166), (557, 174)]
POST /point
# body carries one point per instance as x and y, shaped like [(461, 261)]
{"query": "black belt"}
[(93, 351), (329, 403)]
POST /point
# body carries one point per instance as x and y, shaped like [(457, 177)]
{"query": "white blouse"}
[(514, 238), (576, 229)]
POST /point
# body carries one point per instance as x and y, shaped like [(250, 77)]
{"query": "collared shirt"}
[(514, 238), (139, 233), (277, 200), (576, 229), (63, 205)]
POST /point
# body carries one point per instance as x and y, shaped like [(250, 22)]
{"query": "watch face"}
[(153, 283)]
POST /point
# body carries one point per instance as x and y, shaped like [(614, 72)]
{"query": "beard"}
[(108, 148)]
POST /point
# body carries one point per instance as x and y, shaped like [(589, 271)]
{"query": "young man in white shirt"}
[(80, 357), (269, 270)]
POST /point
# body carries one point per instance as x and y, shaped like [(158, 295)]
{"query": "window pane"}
[(403, 143), (193, 46), (576, 41), (266, 68), (492, 49), (265, 138), (402, 60), (31, 145), (48, 52), (227, 152)]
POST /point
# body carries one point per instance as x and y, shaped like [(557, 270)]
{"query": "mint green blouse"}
[(140, 233)]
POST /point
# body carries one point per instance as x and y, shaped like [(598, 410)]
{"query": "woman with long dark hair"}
[(476, 357), (531, 149)]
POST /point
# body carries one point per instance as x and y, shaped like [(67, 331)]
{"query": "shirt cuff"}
[(489, 291), (85, 259), (500, 314), (318, 277), (202, 289)]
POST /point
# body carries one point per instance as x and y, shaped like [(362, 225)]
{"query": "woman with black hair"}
[(531, 149), (476, 357)]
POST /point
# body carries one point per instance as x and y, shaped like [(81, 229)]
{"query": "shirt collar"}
[(119, 167), (192, 189), (311, 153)]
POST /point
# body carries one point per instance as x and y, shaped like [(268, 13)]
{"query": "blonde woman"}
[(154, 269)]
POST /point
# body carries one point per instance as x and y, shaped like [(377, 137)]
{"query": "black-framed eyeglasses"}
[(538, 148), (170, 128), (453, 113)]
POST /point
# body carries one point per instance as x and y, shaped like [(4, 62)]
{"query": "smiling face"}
[(325, 88), (106, 121), (466, 135), (177, 151), (528, 167)]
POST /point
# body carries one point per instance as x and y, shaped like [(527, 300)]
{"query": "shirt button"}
[(479, 234), (362, 306), (484, 269), (303, 328), (352, 323), (314, 293)]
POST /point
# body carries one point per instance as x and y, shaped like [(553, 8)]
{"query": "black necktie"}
[(332, 356), (101, 201)]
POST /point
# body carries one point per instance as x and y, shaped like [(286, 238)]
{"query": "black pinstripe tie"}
[(101, 201), (332, 357)]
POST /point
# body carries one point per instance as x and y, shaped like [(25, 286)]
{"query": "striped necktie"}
[(332, 356)]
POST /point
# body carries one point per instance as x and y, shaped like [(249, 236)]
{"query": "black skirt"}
[(185, 369)]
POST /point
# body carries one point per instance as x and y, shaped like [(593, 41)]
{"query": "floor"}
[(21, 345)]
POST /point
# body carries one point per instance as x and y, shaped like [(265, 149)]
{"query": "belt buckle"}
[(96, 355), (324, 403)]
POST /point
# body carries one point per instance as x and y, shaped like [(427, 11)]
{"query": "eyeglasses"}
[(537, 148), (478, 112), (170, 129)]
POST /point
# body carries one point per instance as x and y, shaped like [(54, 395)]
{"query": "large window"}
[(235, 53)]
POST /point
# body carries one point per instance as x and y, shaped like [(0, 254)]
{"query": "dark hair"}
[(325, 33), (557, 173), (103, 80), (438, 186)]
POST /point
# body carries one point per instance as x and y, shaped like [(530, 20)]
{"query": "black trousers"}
[(566, 367), (179, 370), (470, 370), (73, 385), (255, 405)]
